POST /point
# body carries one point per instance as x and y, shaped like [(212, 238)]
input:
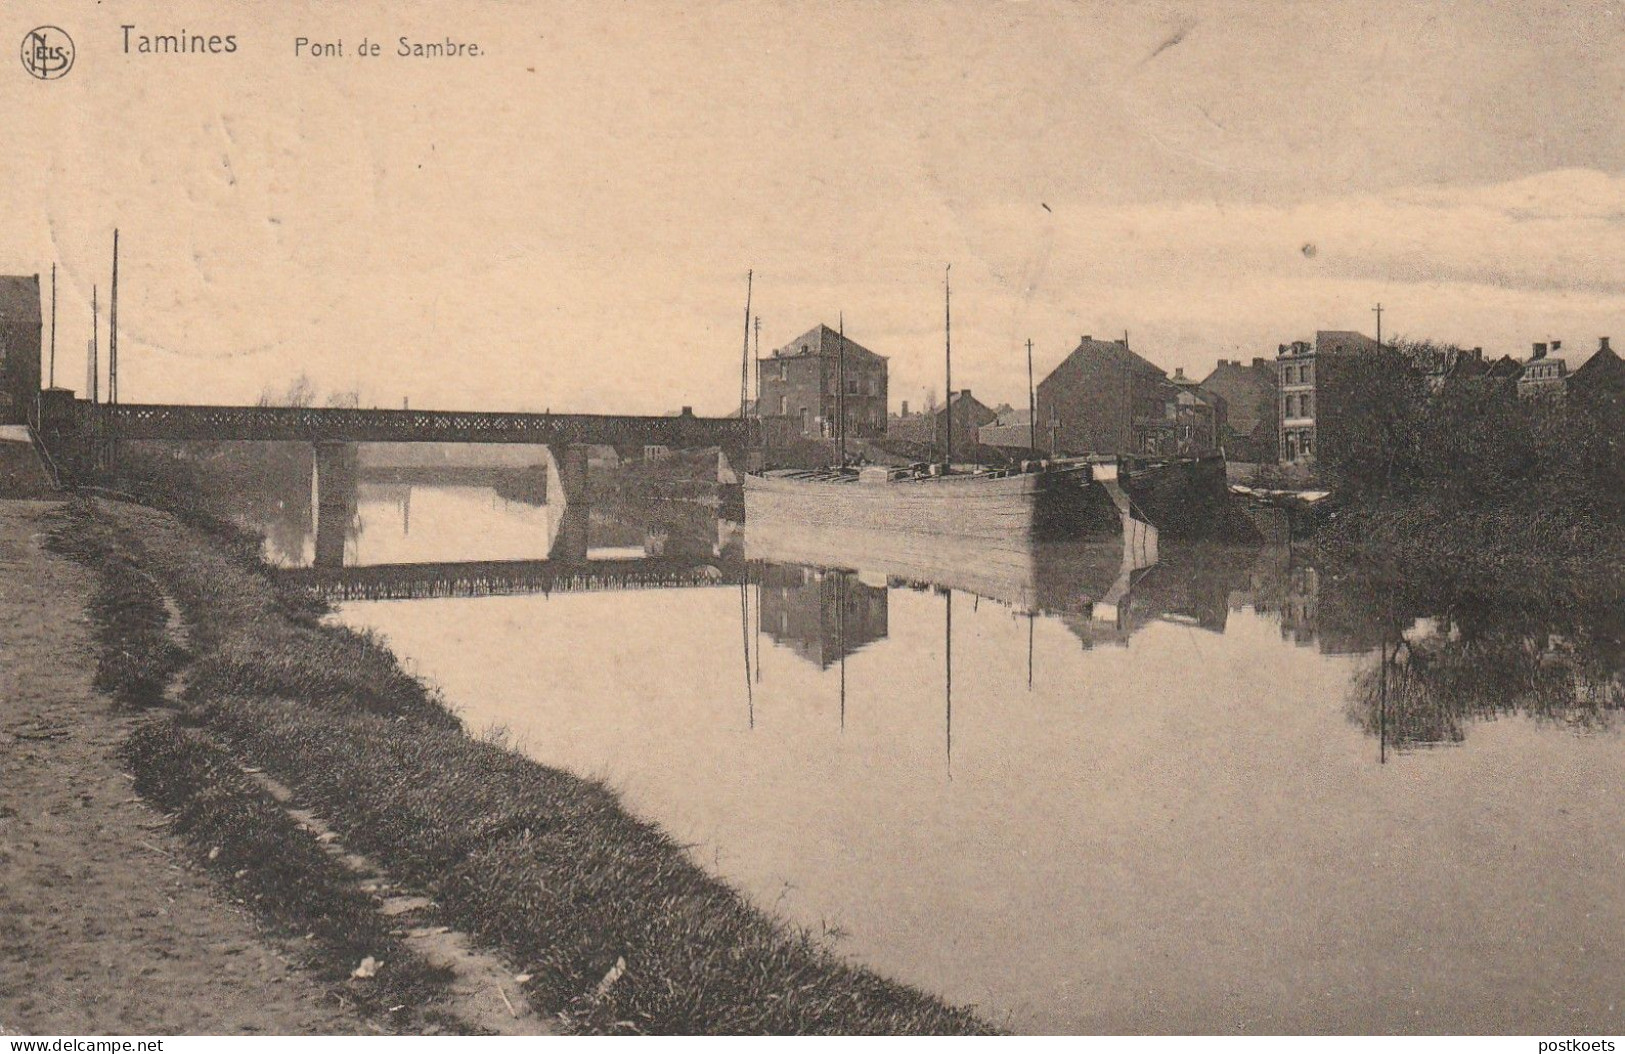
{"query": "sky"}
[(566, 221)]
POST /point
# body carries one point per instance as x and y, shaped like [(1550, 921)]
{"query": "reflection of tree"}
[(1474, 661)]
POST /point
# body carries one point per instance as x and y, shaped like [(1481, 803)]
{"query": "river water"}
[(1201, 789)]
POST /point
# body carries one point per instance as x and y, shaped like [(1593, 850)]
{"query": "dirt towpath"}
[(102, 928)]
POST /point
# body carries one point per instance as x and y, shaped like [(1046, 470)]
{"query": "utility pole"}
[(948, 362), (1378, 310), (94, 370), (1032, 400), (112, 331), (53, 327)]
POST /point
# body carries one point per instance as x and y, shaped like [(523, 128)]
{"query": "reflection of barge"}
[(1010, 567)]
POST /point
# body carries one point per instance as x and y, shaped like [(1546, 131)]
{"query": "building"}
[(1249, 432), (930, 429), (1544, 376), (820, 615), (1199, 416), (1601, 376), (800, 384), (1011, 429), (21, 333), (1300, 367), (1104, 399)]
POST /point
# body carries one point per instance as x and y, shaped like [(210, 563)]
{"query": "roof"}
[(1248, 392), (1333, 341), (20, 297), (826, 342), (1604, 368), (1113, 352)]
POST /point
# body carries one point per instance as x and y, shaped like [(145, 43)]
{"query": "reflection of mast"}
[(758, 623), (840, 637), (1382, 701), (948, 678), (406, 511), (744, 636), (1032, 616)]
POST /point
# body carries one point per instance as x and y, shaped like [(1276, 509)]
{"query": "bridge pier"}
[(336, 471), (567, 475)]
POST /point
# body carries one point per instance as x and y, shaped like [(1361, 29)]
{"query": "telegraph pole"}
[(948, 362), (93, 373), (1378, 310), (112, 331), (1032, 402), (53, 327), (744, 358)]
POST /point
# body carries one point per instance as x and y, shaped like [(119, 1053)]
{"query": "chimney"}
[(905, 408), (1478, 354), (1540, 352), (1086, 338), (1257, 363), (1281, 350), (1179, 373), (1602, 344), (1557, 345)]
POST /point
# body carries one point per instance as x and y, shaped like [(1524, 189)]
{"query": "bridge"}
[(78, 432), (502, 577), (354, 425)]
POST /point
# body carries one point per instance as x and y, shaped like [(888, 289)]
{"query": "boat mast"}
[(948, 365), (840, 389), (744, 355)]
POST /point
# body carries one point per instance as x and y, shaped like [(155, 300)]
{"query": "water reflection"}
[(1138, 780)]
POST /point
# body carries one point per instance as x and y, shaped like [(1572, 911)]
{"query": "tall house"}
[(1250, 431), (21, 331), (1300, 368), (800, 384), (1104, 399), (1544, 376), (1602, 376)]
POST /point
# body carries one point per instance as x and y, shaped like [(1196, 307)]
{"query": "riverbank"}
[(104, 928), (610, 924)]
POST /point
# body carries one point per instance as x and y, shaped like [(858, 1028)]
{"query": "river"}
[(1210, 789)]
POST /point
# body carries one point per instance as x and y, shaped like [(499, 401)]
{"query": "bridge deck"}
[(499, 577), (346, 425)]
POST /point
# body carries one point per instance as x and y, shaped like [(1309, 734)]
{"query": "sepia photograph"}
[(1024, 518)]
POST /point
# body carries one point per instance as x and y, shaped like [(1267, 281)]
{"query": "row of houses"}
[(1304, 402), (1102, 397), (1105, 398)]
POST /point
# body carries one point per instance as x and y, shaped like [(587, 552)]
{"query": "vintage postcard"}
[(549, 517)]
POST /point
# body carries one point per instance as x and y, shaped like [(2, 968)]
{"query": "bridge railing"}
[(354, 425)]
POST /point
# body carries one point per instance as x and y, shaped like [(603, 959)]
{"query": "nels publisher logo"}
[(47, 53)]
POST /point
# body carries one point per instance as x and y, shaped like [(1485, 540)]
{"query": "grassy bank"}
[(617, 928)]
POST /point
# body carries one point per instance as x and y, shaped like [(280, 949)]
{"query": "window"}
[(784, 406), (1308, 444), (1307, 400), (782, 372), (851, 386)]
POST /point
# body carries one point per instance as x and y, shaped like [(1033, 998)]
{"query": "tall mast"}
[(53, 327), (1032, 401), (840, 389), (93, 370), (112, 331), (948, 360), (744, 355)]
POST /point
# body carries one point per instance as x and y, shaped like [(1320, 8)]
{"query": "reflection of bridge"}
[(499, 577)]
